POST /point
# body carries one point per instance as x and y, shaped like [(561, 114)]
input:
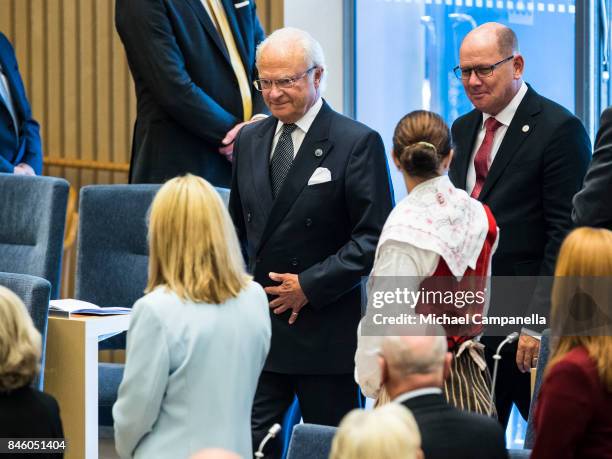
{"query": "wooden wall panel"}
[(70, 87), (271, 14), (53, 131), (122, 103), (78, 81), (103, 29), (7, 21), (87, 97), (22, 37)]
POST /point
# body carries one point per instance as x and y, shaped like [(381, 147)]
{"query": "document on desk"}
[(66, 307)]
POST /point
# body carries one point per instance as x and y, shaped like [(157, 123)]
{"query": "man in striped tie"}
[(310, 195), (192, 62)]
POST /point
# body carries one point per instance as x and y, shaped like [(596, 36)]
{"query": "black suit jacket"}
[(21, 145), (326, 233), (447, 432), (28, 413), (187, 93), (592, 204), (538, 168)]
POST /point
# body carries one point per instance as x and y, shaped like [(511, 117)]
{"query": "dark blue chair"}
[(112, 252), (112, 263), (32, 220), (112, 258), (311, 441), (34, 292), (293, 417)]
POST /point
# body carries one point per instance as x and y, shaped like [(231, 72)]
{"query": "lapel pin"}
[(318, 152), (526, 128)]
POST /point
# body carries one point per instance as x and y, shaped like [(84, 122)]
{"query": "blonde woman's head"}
[(20, 343), (388, 432), (581, 298), (193, 247)]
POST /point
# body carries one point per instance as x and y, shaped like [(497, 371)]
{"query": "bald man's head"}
[(407, 355), (504, 37), (491, 67)]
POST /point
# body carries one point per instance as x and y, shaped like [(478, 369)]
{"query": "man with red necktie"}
[(525, 157)]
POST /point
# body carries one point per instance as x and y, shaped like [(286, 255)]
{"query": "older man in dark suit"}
[(192, 62), (592, 204), (310, 195), (20, 146), (525, 157), (413, 369)]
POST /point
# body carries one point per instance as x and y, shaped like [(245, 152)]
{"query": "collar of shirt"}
[(303, 124), (506, 115), (305, 121), (417, 393)]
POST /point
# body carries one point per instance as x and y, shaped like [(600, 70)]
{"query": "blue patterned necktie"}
[(282, 159)]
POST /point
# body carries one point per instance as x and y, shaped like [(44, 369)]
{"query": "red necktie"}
[(483, 155)]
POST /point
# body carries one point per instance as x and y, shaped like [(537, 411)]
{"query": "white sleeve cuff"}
[(533, 334)]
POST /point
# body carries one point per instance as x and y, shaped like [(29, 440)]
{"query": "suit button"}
[(294, 262), (308, 223), (257, 260), (249, 217)]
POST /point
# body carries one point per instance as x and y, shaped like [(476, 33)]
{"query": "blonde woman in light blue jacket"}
[(198, 339)]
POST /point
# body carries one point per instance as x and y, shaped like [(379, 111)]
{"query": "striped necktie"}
[(282, 158)]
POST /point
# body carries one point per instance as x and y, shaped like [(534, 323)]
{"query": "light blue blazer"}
[(191, 374)]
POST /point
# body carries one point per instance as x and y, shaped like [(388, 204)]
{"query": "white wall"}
[(323, 20)]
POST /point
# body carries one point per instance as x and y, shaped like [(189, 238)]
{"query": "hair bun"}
[(420, 158)]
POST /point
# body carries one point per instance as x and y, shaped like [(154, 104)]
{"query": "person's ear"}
[(384, 370), (446, 162), (519, 66), (396, 161), (318, 75)]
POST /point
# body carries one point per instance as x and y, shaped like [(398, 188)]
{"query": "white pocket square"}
[(320, 175), (241, 4)]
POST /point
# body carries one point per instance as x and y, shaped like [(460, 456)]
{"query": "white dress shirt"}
[(417, 393), (394, 259), (505, 118), (303, 124)]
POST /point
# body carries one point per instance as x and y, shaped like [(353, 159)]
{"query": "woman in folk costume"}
[(437, 238)]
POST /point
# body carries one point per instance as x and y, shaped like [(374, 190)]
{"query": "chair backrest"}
[(542, 361), (34, 292), (32, 220), (112, 251), (311, 441)]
